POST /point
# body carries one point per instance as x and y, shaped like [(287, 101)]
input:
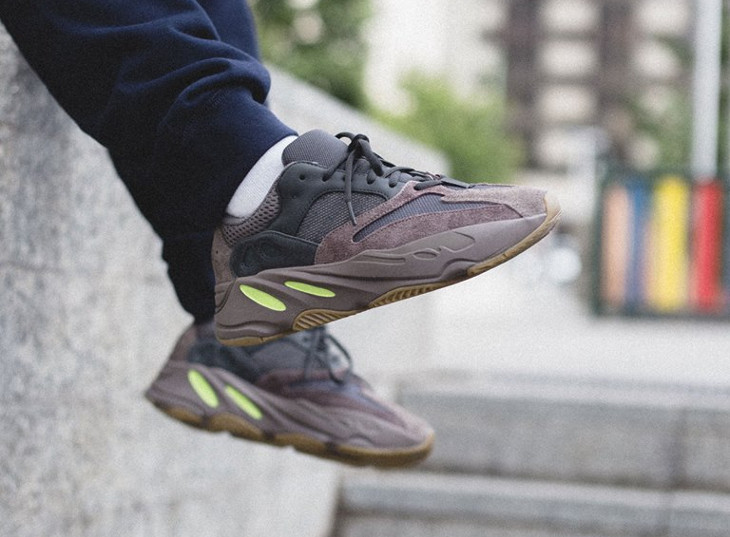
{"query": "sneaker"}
[(296, 391), (342, 231)]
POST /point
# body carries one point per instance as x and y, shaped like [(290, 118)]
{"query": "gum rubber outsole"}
[(316, 317), (352, 455)]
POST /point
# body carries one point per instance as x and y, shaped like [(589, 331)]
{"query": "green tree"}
[(669, 126), (319, 41), (470, 132)]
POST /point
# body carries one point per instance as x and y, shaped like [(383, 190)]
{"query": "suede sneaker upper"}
[(343, 230), (298, 391)]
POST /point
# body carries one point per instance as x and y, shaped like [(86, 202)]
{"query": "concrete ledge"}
[(486, 506), (384, 526), (571, 430), (87, 317)]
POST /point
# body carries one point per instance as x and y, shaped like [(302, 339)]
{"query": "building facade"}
[(563, 64)]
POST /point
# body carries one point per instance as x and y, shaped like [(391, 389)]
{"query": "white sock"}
[(257, 183)]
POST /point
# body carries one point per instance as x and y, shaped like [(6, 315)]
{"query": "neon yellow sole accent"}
[(310, 289), (263, 299), (244, 403), (204, 390)]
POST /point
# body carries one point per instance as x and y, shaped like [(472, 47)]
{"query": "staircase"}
[(520, 456)]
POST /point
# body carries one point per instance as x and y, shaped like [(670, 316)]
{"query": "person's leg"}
[(175, 91), (255, 393), (187, 251), (296, 391), (339, 230), (153, 80), (235, 24)]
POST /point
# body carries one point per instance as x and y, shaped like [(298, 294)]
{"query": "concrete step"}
[(642, 435), (405, 504)]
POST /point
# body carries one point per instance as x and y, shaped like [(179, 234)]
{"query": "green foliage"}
[(670, 125), (670, 128), (319, 41), (471, 133)]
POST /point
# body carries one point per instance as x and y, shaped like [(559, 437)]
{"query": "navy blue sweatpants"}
[(175, 91)]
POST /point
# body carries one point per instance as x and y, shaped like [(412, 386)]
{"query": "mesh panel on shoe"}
[(255, 223), (428, 203), (330, 212)]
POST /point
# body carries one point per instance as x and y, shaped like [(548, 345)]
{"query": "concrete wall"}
[(86, 319)]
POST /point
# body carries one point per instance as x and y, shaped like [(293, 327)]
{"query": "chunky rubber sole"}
[(214, 400), (255, 309)]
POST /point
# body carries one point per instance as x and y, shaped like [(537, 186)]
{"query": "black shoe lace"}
[(359, 148), (318, 354)]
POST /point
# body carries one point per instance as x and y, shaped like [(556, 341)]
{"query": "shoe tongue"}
[(315, 146)]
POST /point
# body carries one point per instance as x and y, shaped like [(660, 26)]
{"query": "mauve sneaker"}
[(296, 391), (342, 231)]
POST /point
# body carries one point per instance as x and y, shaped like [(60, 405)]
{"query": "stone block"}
[(424, 504), (367, 526), (552, 429), (699, 513), (494, 504), (705, 445)]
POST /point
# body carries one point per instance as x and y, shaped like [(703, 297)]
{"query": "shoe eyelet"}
[(302, 177)]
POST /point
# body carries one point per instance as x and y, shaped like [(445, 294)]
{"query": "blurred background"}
[(580, 390)]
